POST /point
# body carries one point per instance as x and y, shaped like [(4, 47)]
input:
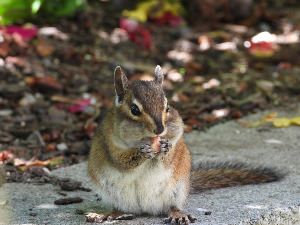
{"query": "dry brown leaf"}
[(44, 48)]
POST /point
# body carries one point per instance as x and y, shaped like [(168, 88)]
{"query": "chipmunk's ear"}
[(159, 76), (121, 83)]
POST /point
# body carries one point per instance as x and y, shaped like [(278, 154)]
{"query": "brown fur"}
[(152, 98), (220, 175), (117, 142), (104, 151), (180, 160)]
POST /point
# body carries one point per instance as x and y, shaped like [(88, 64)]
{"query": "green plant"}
[(16, 11)]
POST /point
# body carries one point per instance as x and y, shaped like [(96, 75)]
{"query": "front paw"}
[(165, 146), (147, 151)]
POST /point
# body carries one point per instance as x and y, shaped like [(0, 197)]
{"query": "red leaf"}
[(27, 33), (168, 18), (5, 156), (262, 49), (136, 32), (79, 105), (44, 83)]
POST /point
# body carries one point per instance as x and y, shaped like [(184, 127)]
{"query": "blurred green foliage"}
[(17, 11)]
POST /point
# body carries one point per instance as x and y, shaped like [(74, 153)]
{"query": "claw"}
[(180, 221), (167, 220), (186, 221), (177, 217), (191, 218), (147, 151), (173, 222), (165, 145)]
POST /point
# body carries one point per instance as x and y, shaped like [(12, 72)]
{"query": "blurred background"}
[(223, 59)]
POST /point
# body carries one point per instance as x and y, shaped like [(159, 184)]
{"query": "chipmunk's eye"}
[(168, 109), (135, 110)]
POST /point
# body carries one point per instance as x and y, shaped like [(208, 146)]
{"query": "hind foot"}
[(176, 217)]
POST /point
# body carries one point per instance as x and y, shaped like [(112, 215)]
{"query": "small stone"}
[(62, 147), (61, 193), (265, 85), (69, 185), (5, 112), (28, 99), (47, 206), (2, 203), (207, 213), (32, 214), (5, 137), (79, 212), (67, 201)]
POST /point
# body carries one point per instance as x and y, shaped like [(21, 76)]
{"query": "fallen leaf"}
[(26, 33), (51, 136), (44, 84), (281, 122), (285, 122), (272, 118), (136, 32), (141, 11), (55, 161), (262, 45), (99, 218), (161, 11), (44, 48), (53, 32), (59, 98), (79, 106), (212, 83), (262, 49), (5, 137), (4, 48), (168, 18), (26, 164), (296, 120), (90, 129), (5, 155), (265, 85), (51, 147), (95, 218)]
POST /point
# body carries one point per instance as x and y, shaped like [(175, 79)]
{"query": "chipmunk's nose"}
[(159, 129)]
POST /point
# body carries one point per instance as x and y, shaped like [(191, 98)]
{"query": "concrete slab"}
[(273, 203)]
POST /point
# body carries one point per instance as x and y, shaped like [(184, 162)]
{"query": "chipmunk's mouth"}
[(153, 135), (159, 128)]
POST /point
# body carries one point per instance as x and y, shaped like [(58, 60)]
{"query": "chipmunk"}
[(140, 162)]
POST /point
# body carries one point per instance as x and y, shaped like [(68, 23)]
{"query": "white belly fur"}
[(146, 189)]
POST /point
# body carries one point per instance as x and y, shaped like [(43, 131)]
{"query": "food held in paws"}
[(155, 144)]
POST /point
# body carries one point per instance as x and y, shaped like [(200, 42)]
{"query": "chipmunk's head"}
[(143, 102)]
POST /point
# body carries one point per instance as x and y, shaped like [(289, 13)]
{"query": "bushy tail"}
[(219, 175)]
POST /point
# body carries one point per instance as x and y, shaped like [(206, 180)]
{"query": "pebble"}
[(62, 147), (5, 112), (32, 214), (67, 201), (28, 99)]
